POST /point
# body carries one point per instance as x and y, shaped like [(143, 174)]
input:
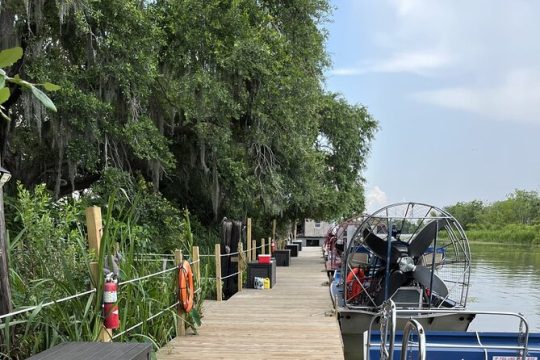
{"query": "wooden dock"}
[(293, 320)]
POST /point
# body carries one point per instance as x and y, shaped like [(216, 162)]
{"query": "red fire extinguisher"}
[(110, 308), (273, 246)]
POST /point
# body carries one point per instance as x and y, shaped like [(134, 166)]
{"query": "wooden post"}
[(219, 290), (270, 245), (274, 229), (94, 228), (196, 265), (263, 247), (254, 250), (180, 324), (240, 265), (248, 240)]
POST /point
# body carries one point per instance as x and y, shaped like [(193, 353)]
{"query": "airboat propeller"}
[(406, 256)]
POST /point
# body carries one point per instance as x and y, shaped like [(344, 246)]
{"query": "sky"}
[(455, 87)]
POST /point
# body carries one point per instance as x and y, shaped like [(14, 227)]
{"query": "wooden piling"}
[(248, 239), (240, 264), (274, 229), (219, 289), (94, 226), (196, 264)]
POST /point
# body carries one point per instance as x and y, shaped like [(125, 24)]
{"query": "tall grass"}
[(49, 259), (510, 234)]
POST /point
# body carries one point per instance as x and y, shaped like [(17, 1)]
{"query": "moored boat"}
[(416, 255)]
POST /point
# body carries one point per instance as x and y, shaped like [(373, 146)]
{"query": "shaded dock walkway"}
[(290, 321)]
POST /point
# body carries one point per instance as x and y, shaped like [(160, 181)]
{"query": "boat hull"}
[(354, 324)]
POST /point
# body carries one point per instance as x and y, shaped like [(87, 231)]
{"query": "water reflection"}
[(505, 278)]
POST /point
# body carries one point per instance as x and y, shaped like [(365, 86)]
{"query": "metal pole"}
[(388, 254), (433, 265)]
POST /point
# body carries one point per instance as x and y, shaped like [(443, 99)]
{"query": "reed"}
[(49, 260), (510, 233)]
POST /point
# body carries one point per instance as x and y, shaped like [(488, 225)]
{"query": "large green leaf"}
[(43, 98), (50, 86), (2, 81), (4, 94), (10, 56)]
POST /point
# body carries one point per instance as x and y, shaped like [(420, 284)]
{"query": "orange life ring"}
[(354, 280), (185, 284)]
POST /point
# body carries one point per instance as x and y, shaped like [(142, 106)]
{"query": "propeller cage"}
[(411, 245)]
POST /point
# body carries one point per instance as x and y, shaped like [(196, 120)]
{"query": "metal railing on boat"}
[(389, 314)]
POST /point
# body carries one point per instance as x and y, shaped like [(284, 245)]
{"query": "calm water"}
[(505, 278)]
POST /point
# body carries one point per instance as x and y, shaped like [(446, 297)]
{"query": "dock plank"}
[(293, 320)]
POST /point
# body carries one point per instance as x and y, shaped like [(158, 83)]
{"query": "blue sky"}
[(455, 86)]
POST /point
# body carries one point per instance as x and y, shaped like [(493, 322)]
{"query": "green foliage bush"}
[(49, 259)]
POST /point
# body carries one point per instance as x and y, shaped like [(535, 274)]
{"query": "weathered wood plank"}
[(293, 320), (96, 351)]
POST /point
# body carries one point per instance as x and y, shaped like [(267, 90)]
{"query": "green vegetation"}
[(49, 260), (514, 220), (220, 105), (212, 106)]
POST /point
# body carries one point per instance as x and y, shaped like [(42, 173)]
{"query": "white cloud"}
[(349, 71), (375, 199), (413, 62), (492, 70), (516, 98), (417, 62)]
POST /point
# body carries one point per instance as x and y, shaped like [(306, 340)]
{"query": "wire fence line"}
[(142, 322), (47, 304)]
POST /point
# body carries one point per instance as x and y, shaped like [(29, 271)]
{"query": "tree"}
[(467, 213), (219, 104), (9, 57)]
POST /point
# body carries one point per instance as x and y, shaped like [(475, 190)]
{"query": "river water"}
[(504, 278)]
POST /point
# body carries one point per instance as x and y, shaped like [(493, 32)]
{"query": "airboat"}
[(337, 239), (415, 255)]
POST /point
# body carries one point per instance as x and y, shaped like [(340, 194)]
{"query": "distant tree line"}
[(517, 218)]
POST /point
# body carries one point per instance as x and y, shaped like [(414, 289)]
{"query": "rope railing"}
[(230, 254), (142, 322), (47, 304), (153, 254), (230, 275), (146, 276)]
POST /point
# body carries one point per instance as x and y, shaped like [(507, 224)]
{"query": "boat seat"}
[(355, 260), (408, 297), (427, 259)]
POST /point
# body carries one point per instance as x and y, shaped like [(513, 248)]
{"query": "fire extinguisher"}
[(273, 246), (110, 308)]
